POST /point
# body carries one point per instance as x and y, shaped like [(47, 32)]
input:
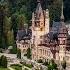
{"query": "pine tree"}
[(10, 38), (3, 61), (19, 53), (3, 13), (8, 33), (55, 10), (21, 21)]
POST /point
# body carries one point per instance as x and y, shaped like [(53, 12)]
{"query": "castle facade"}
[(46, 42)]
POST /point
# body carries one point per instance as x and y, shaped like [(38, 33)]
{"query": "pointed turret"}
[(62, 38), (62, 15), (39, 10)]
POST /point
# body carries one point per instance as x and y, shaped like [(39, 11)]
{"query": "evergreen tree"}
[(52, 65), (14, 25), (3, 61), (10, 38), (3, 13), (55, 10), (13, 50), (19, 53), (21, 21), (8, 33)]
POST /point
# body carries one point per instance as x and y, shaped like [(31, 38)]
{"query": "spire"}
[(39, 8), (62, 16)]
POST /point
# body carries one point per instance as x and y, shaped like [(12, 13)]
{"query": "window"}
[(34, 37), (45, 52), (40, 42), (40, 51), (64, 42), (18, 45), (41, 37), (23, 50), (41, 23), (41, 29)]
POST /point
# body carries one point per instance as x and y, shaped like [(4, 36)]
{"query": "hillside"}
[(15, 13)]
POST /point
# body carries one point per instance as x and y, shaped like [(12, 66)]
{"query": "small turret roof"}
[(39, 8), (62, 15)]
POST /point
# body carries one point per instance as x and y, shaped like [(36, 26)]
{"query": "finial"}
[(62, 16)]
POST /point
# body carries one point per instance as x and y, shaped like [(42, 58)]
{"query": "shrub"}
[(3, 61)]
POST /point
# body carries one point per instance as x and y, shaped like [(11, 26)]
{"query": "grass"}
[(27, 65), (16, 67), (3, 68)]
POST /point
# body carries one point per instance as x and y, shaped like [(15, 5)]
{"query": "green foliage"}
[(5, 24), (55, 11), (52, 65), (10, 38), (4, 12), (13, 50), (1, 68), (29, 53), (16, 67), (14, 13), (3, 61), (19, 53), (21, 21), (27, 65)]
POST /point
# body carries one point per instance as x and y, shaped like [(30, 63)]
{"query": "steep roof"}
[(24, 34)]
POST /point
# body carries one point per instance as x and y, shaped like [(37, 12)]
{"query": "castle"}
[(45, 42)]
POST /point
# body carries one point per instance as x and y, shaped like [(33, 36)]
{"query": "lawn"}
[(16, 67), (4, 69), (27, 65)]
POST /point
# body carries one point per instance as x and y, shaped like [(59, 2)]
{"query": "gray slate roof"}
[(24, 34)]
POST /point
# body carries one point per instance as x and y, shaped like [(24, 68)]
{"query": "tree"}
[(21, 21), (14, 25), (29, 53), (19, 53), (14, 49), (3, 61), (10, 38), (3, 12), (52, 65), (55, 10)]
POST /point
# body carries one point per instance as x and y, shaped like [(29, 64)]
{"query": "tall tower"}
[(62, 37), (40, 27)]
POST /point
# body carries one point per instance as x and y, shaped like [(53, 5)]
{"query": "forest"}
[(15, 13)]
